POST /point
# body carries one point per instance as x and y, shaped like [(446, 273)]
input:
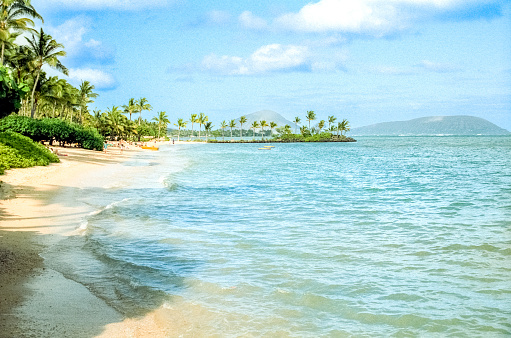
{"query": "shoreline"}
[(37, 210)]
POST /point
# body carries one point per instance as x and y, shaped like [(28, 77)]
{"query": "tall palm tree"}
[(311, 116), (162, 119), (142, 105), (223, 125), (13, 19), (255, 125), (331, 119), (272, 126), (263, 124), (131, 107), (243, 119), (180, 124), (232, 124), (207, 127), (296, 121), (86, 96), (193, 119), (201, 119), (45, 50)]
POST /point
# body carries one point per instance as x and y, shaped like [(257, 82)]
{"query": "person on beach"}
[(105, 146)]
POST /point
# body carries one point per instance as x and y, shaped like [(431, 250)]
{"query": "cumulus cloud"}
[(72, 35), (99, 78), (103, 4), (377, 17), (250, 21), (267, 59)]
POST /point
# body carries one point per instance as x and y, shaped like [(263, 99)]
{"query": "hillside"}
[(268, 116), (433, 125)]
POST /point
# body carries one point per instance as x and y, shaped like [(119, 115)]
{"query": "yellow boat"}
[(269, 146), (149, 148), (264, 148)]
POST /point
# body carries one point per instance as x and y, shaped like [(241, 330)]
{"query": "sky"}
[(368, 61)]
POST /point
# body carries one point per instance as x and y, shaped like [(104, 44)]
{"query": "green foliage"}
[(18, 151), (11, 93), (323, 137), (51, 130)]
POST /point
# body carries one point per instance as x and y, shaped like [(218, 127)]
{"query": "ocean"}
[(388, 236)]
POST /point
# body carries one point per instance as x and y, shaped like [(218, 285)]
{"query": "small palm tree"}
[(45, 51), (142, 105), (207, 127), (263, 124), (131, 107), (114, 120), (321, 125), (202, 119), (255, 125), (243, 119), (304, 131), (180, 124), (311, 116), (232, 124), (272, 126), (86, 96), (296, 121), (193, 119), (162, 119), (331, 120), (223, 125), (287, 129), (344, 126)]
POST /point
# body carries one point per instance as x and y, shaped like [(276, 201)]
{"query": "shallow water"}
[(387, 236)]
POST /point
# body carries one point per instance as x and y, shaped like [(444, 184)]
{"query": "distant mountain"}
[(433, 125), (268, 116)]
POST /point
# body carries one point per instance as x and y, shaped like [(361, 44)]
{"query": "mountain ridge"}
[(432, 125)]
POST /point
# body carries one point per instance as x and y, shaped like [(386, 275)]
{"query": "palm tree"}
[(223, 125), (162, 119), (331, 119), (296, 121), (45, 50), (304, 130), (86, 96), (232, 124), (131, 107), (114, 120), (207, 127), (344, 126), (193, 119), (287, 129), (321, 124), (272, 126), (142, 104), (13, 20), (180, 124), (255, 125), (243, 119), (311, 116), (263, 124), (202, 119)]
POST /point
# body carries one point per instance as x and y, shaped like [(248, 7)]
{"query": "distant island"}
[(433, 125)]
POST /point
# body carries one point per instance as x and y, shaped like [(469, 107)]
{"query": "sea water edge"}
[(387, 236)]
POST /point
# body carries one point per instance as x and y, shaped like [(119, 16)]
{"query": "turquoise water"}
[(401, 236)]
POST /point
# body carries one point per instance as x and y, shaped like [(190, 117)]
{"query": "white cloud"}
[(218, 17), (96, 77), (438, 67), (104, 4), (377, 17), (269, 58), (249, 20)]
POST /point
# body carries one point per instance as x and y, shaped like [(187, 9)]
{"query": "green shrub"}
[(18, 151), (52, 130)]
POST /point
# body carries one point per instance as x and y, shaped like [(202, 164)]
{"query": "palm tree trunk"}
[(231, 133), (3, 49), (32, 113)]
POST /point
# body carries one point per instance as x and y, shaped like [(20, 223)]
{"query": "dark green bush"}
[(52, 130), (18, 151)]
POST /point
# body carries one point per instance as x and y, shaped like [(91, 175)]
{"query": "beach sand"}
[(37, 210)]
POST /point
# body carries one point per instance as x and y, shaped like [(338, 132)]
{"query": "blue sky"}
[(368, 61)]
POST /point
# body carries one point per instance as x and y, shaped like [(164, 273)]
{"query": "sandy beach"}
[(37, 209)]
